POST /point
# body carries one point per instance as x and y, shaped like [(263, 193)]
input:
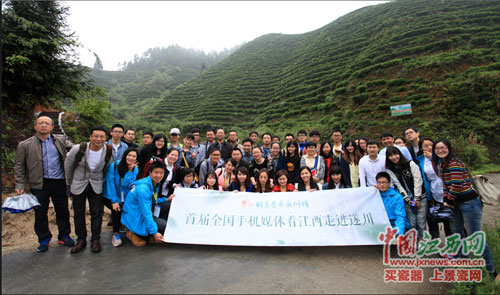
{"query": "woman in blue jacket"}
[(119, 179)]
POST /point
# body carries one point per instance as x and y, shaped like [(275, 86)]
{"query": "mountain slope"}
[(440, 56), (142, 82)]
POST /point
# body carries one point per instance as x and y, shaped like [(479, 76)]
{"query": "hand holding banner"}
[(321, 218)]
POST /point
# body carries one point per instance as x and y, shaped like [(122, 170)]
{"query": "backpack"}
[(83, 148), (145, 171), (197, 169), (487, 191)]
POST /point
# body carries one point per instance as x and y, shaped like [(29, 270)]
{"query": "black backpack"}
[(83, 148), (197, 169), (145, 171)]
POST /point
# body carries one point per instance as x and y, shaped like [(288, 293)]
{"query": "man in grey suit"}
[(39, 162), (85, 168)]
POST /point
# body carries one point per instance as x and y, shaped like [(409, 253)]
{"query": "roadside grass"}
[(487, 168), (487, 285)]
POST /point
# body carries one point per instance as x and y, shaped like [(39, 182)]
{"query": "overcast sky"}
[(117, 30)]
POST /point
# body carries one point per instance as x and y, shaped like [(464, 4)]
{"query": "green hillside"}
[(142, 82), (440, 56)]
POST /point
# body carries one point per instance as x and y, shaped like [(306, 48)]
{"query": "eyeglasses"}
[(383, 182), (99, 136)]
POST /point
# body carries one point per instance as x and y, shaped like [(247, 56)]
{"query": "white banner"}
[(321, 218)]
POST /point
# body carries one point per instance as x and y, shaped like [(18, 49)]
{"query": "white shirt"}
[(164, 189), (436, 183), (94, 158), (368, 169)]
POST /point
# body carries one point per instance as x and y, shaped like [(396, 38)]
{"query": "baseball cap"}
[(175, 131)]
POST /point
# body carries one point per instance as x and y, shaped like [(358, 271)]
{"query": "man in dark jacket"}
[(224, 146)]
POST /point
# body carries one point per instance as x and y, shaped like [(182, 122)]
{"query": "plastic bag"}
[(20, 204)]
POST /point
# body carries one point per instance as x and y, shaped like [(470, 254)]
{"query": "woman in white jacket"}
[(407, 178)]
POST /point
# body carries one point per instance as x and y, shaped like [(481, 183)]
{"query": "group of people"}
[(416, 179)]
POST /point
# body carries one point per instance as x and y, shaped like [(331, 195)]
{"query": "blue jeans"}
[(469, 215), (417, 220)]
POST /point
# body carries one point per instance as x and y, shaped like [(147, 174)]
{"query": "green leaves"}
[(37, 58)]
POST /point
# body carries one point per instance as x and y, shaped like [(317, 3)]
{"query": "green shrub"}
[(8, 158), (341, 84), (487, 285), (363, 110), (383, 106), (361, 88), (420, 79), (340, 90), (359, 98), (376, 83), (398, 82), (471, 153)]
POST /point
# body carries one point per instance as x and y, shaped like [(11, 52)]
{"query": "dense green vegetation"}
[(37, 55), (141, 83), (39, 67), (488, 284), (440, 56)]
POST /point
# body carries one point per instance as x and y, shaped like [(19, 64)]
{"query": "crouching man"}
[(137, 216), (393, 203)]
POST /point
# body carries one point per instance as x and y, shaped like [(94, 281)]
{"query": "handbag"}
[(487, 191)]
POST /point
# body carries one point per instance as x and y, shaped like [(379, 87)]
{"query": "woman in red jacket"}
[(284, 182)]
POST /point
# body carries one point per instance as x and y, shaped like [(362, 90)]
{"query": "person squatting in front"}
[(142, 224)]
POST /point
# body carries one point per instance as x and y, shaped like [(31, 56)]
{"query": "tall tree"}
[(39, 61)]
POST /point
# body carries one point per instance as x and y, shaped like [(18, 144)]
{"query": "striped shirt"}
[(456, 181)]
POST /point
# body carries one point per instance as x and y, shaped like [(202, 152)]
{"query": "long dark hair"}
[(152, 149), (301, 185), (123, 166), (267, 187), (297, 150), (321, 153), (242, 170), (216, 184), (356, 155), (362, 151), (446, 161), (336, 170), (392, 150), (164, 149), (149, 151)]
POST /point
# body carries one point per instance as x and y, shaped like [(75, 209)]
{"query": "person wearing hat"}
[(174, 139)]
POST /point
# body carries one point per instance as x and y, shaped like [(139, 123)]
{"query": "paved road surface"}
[(209, 269)]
